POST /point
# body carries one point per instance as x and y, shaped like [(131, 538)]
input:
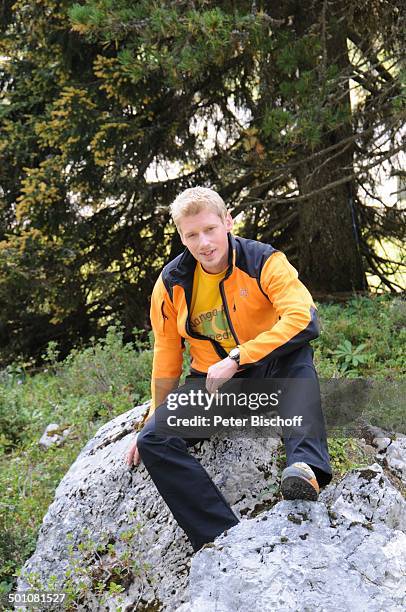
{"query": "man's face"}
[(205, 235)]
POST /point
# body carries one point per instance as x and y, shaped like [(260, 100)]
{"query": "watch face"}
[(234, 353)]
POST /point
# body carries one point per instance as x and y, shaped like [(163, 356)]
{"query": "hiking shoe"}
[(299, 482)]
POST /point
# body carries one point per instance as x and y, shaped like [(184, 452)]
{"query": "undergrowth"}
[(363, 338)]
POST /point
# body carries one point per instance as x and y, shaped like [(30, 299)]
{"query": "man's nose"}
[(203, 240)]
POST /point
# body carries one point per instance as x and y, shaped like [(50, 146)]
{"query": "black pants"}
[(196, 503)]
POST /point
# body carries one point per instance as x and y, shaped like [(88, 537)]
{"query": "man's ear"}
[(229, 222)]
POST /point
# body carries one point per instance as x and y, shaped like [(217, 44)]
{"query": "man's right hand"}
[(133, 456)]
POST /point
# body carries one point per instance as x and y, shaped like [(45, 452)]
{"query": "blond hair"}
[(195, 199)]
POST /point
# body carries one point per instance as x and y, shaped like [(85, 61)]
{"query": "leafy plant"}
[(350, 357), (109, 376), (339, 450), (98, 569)]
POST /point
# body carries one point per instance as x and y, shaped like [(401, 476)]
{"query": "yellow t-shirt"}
[(207, 310)]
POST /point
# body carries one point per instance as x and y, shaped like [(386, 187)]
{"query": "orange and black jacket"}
[(269, 310)]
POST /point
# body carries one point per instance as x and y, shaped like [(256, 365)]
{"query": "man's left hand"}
[(219, 373)]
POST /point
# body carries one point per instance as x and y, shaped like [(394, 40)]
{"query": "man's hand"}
[(219, 373), (133, 456)]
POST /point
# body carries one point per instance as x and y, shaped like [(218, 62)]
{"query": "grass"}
[(363, 338)]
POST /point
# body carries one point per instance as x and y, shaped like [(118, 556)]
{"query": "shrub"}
[(107, 378)]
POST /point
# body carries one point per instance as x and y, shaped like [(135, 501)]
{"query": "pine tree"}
[(273, 80), (251, 98)]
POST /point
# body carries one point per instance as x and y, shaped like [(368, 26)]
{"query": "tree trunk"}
[(329, 256)]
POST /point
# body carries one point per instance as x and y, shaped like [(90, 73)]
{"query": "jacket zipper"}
[(218, 348), (223, 297), (164, 317), (221, 352)]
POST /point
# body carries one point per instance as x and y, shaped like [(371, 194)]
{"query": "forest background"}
[(292, 110)]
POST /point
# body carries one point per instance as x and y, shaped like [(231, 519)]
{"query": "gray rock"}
[(372, 433), (381, 444), (303, 556), (347, 551), (367, 496), (53, 435), (95, 501), (395, 457), (391, 449)]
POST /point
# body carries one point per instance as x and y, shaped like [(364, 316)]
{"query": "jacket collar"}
[(232, 254), (187, 263)]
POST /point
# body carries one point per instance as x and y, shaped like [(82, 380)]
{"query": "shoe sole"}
[(294, 487)]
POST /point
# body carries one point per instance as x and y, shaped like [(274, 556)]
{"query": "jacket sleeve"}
[(168, 347), (298, 320)]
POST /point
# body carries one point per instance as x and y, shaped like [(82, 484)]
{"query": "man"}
[(240, 305)]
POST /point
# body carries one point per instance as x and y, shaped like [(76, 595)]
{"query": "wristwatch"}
[(234, 354)]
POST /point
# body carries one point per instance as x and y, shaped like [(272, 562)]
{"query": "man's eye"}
[(191, 235)]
